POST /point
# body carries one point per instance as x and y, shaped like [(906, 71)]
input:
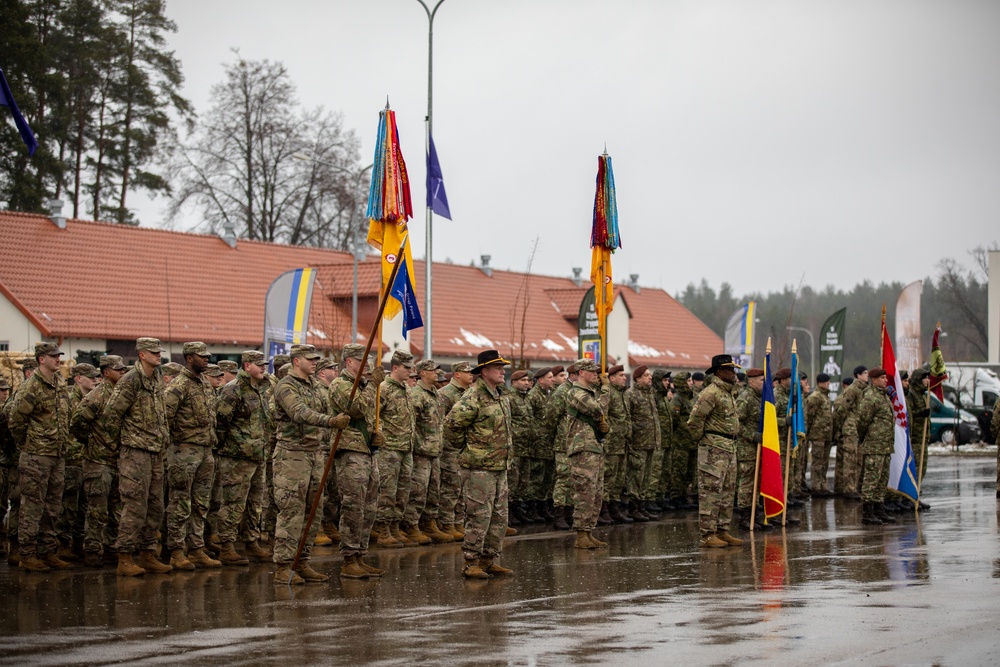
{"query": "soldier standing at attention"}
[(749, 437), (850, 437), (301, 422), (522, 429), (876, 424), (100, 464), (28, 367), (713, 422), (916, 406), (480, 421), (230, 369), (190, 403), (135, 418), (684, 457), (645, 440), (74, 504), (657, 484), (39, 419), (538, 451), (395, 457), (615, 446), (242, 429), (555, 427), (452, 480), (6, 461), (819, 433), (355, 461), (586, 426), (326, 373), (425, 482)]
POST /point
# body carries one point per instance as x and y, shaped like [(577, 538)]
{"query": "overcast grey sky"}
[(753, 142)]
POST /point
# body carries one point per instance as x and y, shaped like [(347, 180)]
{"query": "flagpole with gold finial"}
[(760, 443)]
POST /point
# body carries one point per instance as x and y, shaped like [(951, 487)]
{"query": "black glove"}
[(923, 413), (789, 420), (759, 439)]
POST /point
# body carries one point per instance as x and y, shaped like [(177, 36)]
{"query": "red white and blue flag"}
[(902, 467)]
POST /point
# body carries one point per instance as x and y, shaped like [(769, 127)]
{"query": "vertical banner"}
[(831, 350), (908, 326), (588, 334), (286, 310), (740, 334)]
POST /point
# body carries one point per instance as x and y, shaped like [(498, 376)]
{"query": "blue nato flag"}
[(437, 199), (7, 100)]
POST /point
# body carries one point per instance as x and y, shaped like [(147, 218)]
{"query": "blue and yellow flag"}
[(795, 404)]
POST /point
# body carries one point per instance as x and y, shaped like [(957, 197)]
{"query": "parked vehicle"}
[(976, 388), (951, 425)]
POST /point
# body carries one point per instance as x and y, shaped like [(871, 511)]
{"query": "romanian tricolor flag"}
[(604, 239), (771, 488), (389, 205)]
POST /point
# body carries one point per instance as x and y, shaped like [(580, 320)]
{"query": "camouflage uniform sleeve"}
[(995, 422), (866, 412), (297, 410), (225, 408), (83, 417), (172, 397), (583, 402), (699, 413), (121, 398), (17, 418)]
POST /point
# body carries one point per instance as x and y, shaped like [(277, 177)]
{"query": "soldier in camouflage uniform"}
[(425, 482), (849, 433), (74, 503), (301, 422), (395, 457), (876, 425), (838, 437), (242, 429), (916, 406), (481, 422), (28, 367), (747, 442), (684, 453), (616, 445), (100, 464), (645, 440), (6, 462), (586, 426), (819, 433), (39, 420), (135, 419), (554, 430), (190, 403), (215, 377), (660, 466), (714, 423), (230, 369), (533, 469), (560, 376), (169, 371), (279, 361), (355, 460), (326, 373), (452, 479), (522, 426)]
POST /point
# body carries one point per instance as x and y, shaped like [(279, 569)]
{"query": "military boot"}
[(560, 522), (257, 553), (149, 562), (310, 575), (57, 563), (729, 539), (32, 563), (651, 509), (635, 513), (13, 553), (331, 530), (322, 540), (179, 561), (91, 559), (868, 515), (383, 538), (285, 576), (615, 510), (127, 566), (472, 570), (513, 514), (531, 514), (400, 535), (416, 535), (452, 530), (882, 514), (430, 528), (712, 542), (202, 559), (596, 542), (546, 510), (66, 554), (744, 514), (370, 569), (229, 556), (583, 540), (510, 531), (352, 568), (604, 518), (489, 567)]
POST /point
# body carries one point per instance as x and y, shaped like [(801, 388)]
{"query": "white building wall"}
[(618, 332), (993, 309), (16, 329)]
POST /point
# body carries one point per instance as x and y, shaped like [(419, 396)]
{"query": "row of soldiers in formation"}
[(108, 467)]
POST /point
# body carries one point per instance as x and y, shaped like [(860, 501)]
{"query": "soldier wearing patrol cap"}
[(326, 373), (301, 421), (100, 465), (645, 440), (356, 466), (6, 460), (481, 421), (522, 426), (684, 453), (452, 481), (39, 420), (70, 525), (229, 370), (169, 371), (586, 426), (215, 376), (616, 445), (819, 433), (554, 429), (747, 441), (534, 460), (425, 481), (136, 420), (713, 422)]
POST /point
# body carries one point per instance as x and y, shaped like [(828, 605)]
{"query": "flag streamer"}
[(604, 240)]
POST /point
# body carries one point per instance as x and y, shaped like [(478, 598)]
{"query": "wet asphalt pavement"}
[(922, 592)]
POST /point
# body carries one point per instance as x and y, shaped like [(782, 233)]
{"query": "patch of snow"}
[(476, 340), (550, 344), (639, 350)]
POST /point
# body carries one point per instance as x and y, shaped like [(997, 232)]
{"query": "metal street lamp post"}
[(429, 260), (812, 357)]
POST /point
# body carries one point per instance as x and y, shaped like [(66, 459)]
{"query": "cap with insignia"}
[(461, 367), (325, 363), (616, 369), (229, 366), (400, 358), (586, 365), (112, 362), (353, 351), (755, 372), (196, 347), (305, 352), (255, 357), (47, 350), (86, 370), (148, 345), (517, 375), (213, 371), (427, 365)]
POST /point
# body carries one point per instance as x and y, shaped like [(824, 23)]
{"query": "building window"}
[(4, 346)]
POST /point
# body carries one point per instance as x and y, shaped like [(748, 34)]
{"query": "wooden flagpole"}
[(788, 443)]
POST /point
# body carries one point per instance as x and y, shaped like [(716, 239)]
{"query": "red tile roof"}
[(107, 281)]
